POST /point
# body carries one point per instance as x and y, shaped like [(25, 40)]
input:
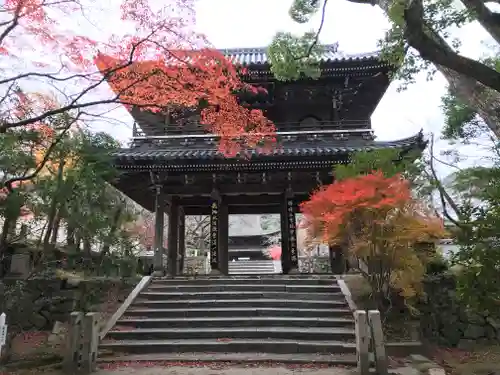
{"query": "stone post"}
[(82, 344), (377, 335), (74, 357), (362, 342), (91, 342)]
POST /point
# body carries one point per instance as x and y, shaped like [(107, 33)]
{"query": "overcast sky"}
[(357, 28)]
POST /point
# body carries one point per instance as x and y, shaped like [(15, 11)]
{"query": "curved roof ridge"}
[(332, 47), (412, 138)]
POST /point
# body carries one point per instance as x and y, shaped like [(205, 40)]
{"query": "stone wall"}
[(196, 266), (444, 320), (201, 266), (39, 302), (315, 264)]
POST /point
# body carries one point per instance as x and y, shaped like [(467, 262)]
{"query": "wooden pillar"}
[(285, 251), (182, 241), (223, 237), (214, 235), (289, 254), (292, 237), (172, 241), (158, 239), (337, 260)]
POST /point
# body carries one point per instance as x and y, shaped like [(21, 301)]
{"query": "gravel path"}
[(238, 370), (225, 371)]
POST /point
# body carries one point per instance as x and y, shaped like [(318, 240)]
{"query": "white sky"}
[(357, 28)]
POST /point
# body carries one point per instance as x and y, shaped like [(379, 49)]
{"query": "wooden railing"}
[(143, 129)]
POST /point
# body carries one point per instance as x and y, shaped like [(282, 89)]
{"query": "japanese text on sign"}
[(214, 232)]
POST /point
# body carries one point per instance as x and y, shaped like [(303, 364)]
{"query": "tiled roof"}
[(251, 56), (201, 152)]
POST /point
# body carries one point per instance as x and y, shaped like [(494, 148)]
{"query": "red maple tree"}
[(161, 63), (143, 229), (333, 205), (379, 223)]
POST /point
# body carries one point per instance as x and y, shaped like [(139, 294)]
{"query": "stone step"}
[(238, 358), (333, 288), (228, 346), (276, 279), (234, 333), (251, 269), (239, 312), (259, 321), (236, 295), (250, 273), (250, 265), (249, 303)]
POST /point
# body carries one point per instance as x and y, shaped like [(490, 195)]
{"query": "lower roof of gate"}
[(193, 153)]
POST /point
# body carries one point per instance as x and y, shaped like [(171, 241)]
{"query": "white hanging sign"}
[(3, 331)]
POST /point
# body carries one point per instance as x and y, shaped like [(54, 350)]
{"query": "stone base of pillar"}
[(215, 272), (293, 271), (157, 274)]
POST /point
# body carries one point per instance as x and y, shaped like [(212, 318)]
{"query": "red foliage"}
[(144, 231), (161, 64), (275, 252), (332, 205), (186, 78)]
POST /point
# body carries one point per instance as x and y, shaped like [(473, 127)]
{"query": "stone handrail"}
[(145, 281), (368, 328), (347, 294)]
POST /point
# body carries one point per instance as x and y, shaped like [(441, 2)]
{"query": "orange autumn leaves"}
[(372, 196), (184, 79), (380, 222), (331, 206)]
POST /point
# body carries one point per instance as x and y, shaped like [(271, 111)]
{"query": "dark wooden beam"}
[(234, 210), (305, 187), (239, 200)]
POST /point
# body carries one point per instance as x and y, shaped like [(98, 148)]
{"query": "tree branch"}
[(488, 19), (318, 33), (429, 49), (445, 198)]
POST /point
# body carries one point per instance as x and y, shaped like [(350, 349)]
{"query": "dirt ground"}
[(218, 370), (482, 361)]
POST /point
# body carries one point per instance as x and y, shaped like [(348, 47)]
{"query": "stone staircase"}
[(251, 267), (295, 319)]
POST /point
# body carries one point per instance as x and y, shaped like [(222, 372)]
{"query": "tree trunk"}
[(486, 102), (51, 217), (112, 231), (3, 246), (5, 234), (78, 240), (87, 247), (55, 230)]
